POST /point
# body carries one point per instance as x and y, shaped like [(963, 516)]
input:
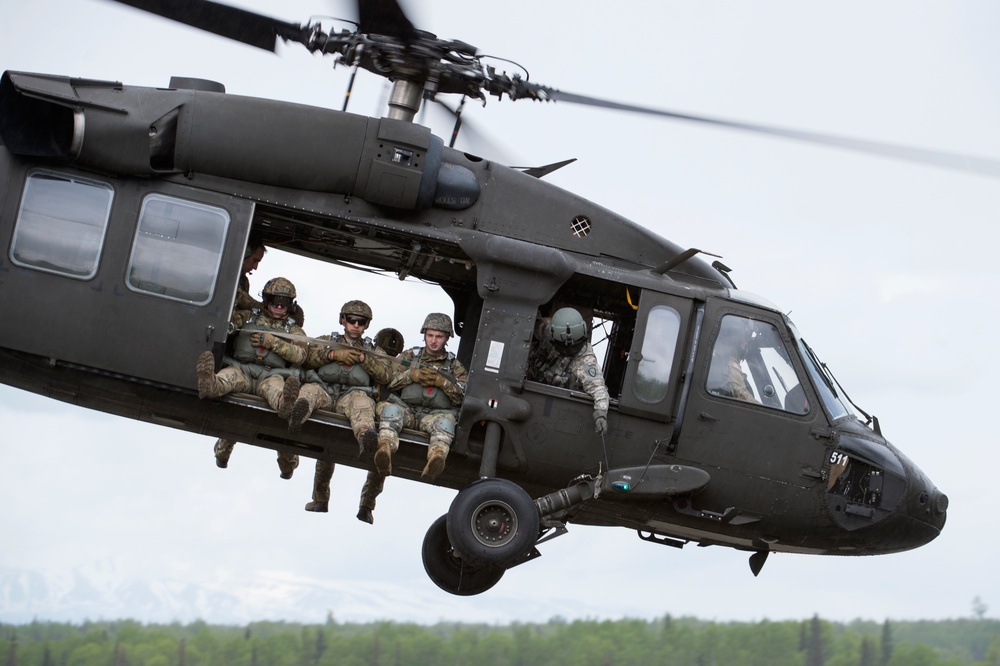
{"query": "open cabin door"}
[(116, 276)]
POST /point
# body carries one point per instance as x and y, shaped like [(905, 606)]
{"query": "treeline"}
[(670, 641)]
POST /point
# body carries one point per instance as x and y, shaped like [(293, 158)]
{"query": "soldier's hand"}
[(600, 421), (261, 339), (423, 376), (439, 380), (347, 356)]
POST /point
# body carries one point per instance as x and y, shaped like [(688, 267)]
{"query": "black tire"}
[(449, 571), (493, 522)]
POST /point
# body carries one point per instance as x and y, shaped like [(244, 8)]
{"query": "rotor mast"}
[(404, 100)]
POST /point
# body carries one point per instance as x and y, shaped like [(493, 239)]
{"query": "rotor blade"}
[(385, 17), (979, 165), (230, 22), (475, 139)]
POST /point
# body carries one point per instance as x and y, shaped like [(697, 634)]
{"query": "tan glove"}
[(260, 339), (424, 376), (346, 356)]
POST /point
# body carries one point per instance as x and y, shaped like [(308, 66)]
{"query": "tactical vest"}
[(427, 397), (244, 351), (346, 375)]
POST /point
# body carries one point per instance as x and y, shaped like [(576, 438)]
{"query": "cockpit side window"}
[(750, 363), (177, 249), (61, 224)]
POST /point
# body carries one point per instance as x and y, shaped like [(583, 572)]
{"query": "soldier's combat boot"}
[(287, 465), (223, 449), (367, 443), (318, 507), (383, 456), (365, 515), (206, 375), (299, 413), (289, 393), (434, 466)]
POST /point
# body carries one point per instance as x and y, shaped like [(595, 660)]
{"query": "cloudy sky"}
[(886, 267)]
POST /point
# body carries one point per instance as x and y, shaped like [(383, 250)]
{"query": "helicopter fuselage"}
[(133, 206)]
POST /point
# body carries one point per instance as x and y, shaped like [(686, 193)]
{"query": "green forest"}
[(683, 641)]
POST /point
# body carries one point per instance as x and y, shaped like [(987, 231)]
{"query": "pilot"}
[(346, 376), (427, 388), (726, 376), (562, 356), (261, 360), (252, 255)]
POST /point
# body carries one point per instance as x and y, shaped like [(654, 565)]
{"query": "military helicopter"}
[(126, 198)]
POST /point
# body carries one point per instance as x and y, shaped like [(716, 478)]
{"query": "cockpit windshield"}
[(836, 403), (750, 363)]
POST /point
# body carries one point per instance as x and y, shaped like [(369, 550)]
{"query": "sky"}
[(886, 268)]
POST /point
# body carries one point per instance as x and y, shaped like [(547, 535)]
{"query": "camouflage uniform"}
[(578, 372), (725, 374), (263, 376), (430, 403), (431, 409), (390, 340), (736, 384), (244, 301), (351, 397)]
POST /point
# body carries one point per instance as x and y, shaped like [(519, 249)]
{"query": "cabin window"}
[(61, 224), (750, 363), (177, 249), (659, 344)]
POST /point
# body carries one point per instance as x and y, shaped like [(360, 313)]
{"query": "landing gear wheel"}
[(493, 522), (449, 571)]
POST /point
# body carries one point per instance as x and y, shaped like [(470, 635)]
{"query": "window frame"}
[(23, 225), (140, 248)]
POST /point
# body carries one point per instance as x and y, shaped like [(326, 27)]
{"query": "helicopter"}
[(499, 269)]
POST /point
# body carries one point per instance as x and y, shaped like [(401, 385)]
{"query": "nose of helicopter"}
[(922, 513)]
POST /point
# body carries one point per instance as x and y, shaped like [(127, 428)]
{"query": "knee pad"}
[(444, 426), (392, 416)]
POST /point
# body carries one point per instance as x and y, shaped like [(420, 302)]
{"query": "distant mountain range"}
[(102, 592)]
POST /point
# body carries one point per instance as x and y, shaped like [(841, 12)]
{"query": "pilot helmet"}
[(735, 334), (568, 330), (438, 321)]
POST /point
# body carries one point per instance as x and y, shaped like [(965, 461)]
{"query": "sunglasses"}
[(355, 321)]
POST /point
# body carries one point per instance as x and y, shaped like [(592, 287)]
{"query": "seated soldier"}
[(345, 376), (252, 255), (391, 341), (427, 390), (262, 360), (562, 356)]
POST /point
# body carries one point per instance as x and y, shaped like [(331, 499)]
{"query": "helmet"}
[(356, 308), (437, 321), (279, 286), (390, 341), (568, 330)]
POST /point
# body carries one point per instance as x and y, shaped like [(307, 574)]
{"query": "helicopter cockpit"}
[(750, 362)]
